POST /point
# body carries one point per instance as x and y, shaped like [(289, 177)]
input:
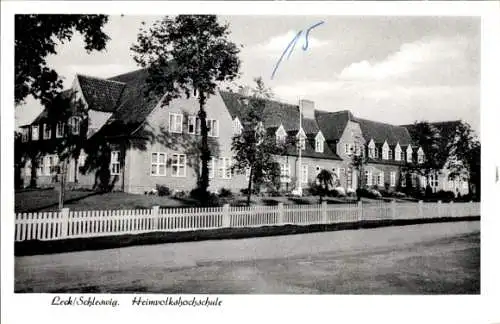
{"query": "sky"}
[(387, 68)]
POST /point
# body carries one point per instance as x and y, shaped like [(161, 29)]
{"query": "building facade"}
[(149, 143)]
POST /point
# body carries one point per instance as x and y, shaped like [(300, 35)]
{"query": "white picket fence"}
[(77, 224)]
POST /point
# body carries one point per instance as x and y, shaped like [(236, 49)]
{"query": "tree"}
[(188, 55), (436, 149), (36, 37), (358, 161), (325, 180), (254, 149), (465, 157)]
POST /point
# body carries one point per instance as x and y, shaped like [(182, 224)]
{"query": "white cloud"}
[(422, 59), (277, 44)]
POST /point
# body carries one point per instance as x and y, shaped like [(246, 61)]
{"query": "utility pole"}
[(299, 186)]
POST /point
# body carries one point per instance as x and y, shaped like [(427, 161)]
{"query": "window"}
[(397, 153), (47, 131), (423, 181), (178, 165), (213, 127), (115, 163), (385, 153), (34, 133), (393, 178), (381, 178), (25, 135), (285, 172), (158, 164), (60, 129), (390, 154), (211, 168), (224, 170), (49, 164), (420, 157), (237, 129), (408, 155), (319, 146), (81, 159), (280, 135), (74, 125), (304, 174), (368, 178), (175, 123), (357, 149), (371, 152), (193, 125)]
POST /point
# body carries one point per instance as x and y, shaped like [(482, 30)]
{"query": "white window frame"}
[(60, 129), (176, 163), (381, 178), (156, 164), (320, 148), (304, 173), (285, 172), (420, 157), (114, 163), (393, 178), (423, 181), (74, 125), (211, 168), (224, 168), (368, 178), (175, 122), (397, 153), (45, 128), (193, 122), (25, 135), (409, 153), (33, 128), (213, 127), (385, 152)]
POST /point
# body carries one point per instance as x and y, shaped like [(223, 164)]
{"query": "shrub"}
[(445, 196), (213, 200), (225, 193), (245, 191), (179, 194), (340, 192), (163, 190), (368, 193)]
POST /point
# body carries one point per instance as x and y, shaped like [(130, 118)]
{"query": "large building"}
[(147, 143)]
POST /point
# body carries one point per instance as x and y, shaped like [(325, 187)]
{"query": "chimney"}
[(307, 107)]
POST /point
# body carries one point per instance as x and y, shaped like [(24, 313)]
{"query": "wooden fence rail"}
[(66, 224)]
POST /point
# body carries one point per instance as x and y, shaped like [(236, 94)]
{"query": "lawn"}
[(47, 200)]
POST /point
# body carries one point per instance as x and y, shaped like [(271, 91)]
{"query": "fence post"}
[(360, 211), (324, 217), (155, 212), (64, 223), (393, 209), (281, 214), (420, 209), (439, 208), (452, 210), (226, 218)]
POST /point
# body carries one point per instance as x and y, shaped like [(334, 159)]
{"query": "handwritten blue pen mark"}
[(291, 46)]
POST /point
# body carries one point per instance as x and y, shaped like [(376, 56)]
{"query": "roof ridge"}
[(375, 121), (97, 78)]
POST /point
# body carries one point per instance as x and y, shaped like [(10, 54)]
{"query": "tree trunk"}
[(249, 193), (205, 151), (34, 167)]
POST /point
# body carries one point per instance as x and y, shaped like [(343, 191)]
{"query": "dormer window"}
[(301, 139), (237, 128), (371, 149), (397, 153), (280, 135), (420, 156), (34, 133), (74, 125), (409, 153), (319, 143), (385, 151)]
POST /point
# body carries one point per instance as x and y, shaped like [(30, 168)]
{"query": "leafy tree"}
[(36, 37), (358, 161), (254, 149), (435, 146), (188, 55), (465, 157), (325, 180)]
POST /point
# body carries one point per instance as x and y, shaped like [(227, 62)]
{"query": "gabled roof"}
[(100, 94), (275, 112), (332, 124), (381, 132)]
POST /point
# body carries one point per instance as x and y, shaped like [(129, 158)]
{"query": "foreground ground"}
[(440, 258), (47, 200)]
